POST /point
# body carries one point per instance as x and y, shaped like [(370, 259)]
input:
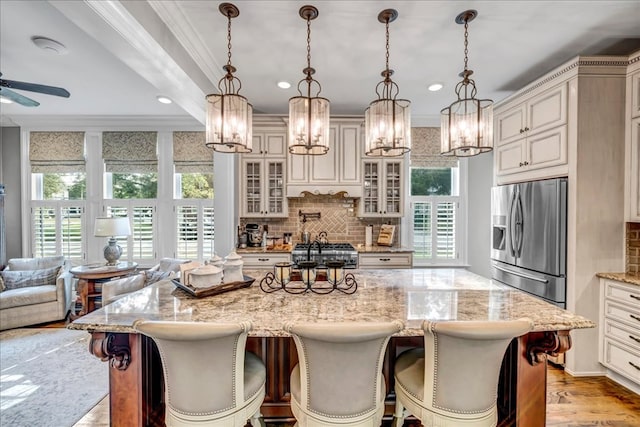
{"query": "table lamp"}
[(111, 227)]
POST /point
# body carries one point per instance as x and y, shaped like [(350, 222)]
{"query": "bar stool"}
[(209, 378), (453, 381), (338, 380)]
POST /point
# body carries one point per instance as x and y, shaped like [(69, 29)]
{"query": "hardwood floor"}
[(571, 402)]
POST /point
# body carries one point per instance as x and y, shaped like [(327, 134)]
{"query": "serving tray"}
[(215, 289)]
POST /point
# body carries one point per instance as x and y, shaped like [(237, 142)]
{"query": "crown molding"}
[(60, 123)]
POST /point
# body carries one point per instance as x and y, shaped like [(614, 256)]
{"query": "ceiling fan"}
[(6, 91)]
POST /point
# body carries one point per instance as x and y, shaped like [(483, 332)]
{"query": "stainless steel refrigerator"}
[(529, 237)]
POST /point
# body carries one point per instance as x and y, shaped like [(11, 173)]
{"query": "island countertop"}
[(409, 295)]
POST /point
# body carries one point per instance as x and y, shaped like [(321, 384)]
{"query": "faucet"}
[(316, 242)]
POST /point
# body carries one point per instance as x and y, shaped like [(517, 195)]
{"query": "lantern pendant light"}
[(308, 116), (229, 115), (467, 124), (388, 119)]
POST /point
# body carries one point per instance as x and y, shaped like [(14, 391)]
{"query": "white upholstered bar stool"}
[(338, 380), (210, 379), (453, 381)]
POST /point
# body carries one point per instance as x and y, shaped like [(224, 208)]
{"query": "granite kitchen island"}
[(409, 295)]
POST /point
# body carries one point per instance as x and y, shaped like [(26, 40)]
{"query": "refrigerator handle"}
[(520, 225), (510, 223), (517, 273)]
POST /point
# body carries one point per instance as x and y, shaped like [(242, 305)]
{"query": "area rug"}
[(48, 377)]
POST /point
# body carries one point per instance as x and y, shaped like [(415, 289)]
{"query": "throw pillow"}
[(27, 278), (35, 263)]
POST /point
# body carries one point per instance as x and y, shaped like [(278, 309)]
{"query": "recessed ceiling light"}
[(163, 99), (4, 100), (49, 45), (284, 85), (435, 87)]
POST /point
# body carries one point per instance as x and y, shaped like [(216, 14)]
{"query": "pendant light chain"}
[(308, 46), (466, 46), (229, 40), (387, 45)]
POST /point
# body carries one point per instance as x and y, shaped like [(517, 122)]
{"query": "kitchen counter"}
[(375, 249), (135, 373), (408, 295), (259, 250), (621, 277)]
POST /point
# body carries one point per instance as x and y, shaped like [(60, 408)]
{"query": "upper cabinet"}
[(531, 136), (268, 143), (336, 171), (632, 141), (382, 188), (262, 174)]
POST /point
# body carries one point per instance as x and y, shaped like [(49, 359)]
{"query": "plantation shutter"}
[(425, 150), (130, 152), (190, 154), (56, 152)]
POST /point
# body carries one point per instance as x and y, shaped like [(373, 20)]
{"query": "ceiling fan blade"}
[(32, 87), (16, 97)]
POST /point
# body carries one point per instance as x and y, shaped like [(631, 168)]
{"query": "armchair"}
[(34, 290), (118, 288)]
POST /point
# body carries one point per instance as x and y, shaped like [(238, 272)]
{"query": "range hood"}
[(302, 190)]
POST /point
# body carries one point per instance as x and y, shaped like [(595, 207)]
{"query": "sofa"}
[(118, 288), (34, 290)]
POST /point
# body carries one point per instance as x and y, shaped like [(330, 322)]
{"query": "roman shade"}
[(130, 152), (425, 149), (56, 152), (190, 154)]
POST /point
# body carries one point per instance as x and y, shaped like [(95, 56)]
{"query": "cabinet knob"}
[(521, 130), (520, 164), (526, 163), (526, 129)]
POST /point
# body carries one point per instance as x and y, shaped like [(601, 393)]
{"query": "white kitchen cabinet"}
[(338, 170), (620, 329), (538, 151), (385, 260), (268, 143), (382, 188), (262, 183), (632, 142), (264, 260), (531, 136)]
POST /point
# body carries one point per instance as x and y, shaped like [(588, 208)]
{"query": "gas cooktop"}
[(344, 252), (326, 247)]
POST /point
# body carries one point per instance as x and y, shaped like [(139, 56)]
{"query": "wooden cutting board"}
[(385, 237)]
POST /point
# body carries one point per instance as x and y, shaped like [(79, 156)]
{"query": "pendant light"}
[(387, 119), (467, 124), (229, 115), (308, 116)]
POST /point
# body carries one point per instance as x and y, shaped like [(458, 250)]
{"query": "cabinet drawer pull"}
[(636, 339), (635, 317), (634, 365), (634, 297), (263, 259), (384, 259)]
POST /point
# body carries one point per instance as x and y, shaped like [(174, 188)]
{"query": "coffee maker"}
[(254, 235)]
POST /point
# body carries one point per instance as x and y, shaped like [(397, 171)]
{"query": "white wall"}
[(11, 178), (480, 180)]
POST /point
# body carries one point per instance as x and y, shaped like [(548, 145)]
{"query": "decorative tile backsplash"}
[(633, 248), (338, 217)]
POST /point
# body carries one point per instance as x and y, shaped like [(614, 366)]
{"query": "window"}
[(436, 203), (193, 198), (131, 165), (58, 193)]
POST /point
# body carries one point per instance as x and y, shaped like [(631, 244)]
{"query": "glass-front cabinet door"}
[(263, 192), (382, 188)]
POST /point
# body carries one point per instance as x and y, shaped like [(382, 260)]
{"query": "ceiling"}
[(122, 54)]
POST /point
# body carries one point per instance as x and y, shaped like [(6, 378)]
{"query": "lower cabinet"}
[(620, 329), (385, 260), (264, 260)]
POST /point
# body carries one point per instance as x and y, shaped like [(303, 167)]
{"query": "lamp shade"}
[(388, 128), (112, 226), (308, 125), (467, 127), (229, 123)]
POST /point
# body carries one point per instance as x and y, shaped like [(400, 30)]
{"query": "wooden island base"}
[(136, 383)]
